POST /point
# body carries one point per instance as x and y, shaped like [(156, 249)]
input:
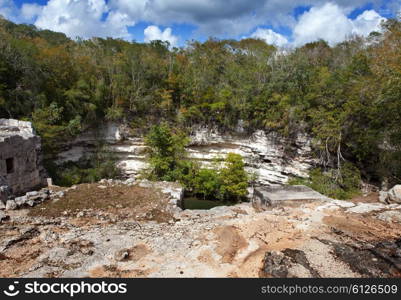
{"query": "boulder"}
[(20, 201), (383, 196), (394, 194), (273, 195), (11, 205)]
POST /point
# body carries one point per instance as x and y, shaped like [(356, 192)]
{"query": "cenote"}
[(191, 202)]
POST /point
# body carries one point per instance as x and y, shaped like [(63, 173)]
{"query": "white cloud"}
[(329, 22), (220, 18), (8, 9), (270, 37), (224, 17), (84, 18), (152, 33), (29, 11), (367, 22)]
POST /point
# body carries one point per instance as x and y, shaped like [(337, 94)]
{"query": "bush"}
[(100, 165), (344, 187), (234, 179), (166, 153), (229, 183), (169, 162)]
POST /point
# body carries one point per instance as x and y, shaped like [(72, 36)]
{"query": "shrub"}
[(99, 165), (327, 183), (234, 179), (168, 161)]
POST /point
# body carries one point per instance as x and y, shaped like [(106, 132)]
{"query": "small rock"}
[(102, 187), (80, 214), (11, 205), (32, 194), (21, 200), (60, 194), (129, 181), (3, 216), (2, 205), (121, 255)]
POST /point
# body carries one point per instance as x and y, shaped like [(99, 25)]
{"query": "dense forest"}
[(347, 96)]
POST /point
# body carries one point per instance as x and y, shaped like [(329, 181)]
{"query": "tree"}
[(234, 178), (166, 152)]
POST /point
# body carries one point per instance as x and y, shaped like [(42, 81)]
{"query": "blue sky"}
[(279, 22)]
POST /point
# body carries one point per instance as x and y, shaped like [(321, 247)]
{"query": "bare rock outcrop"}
[(271, 157), (392, 196)]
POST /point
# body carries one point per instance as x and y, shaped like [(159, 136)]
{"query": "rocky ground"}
[(104, 230)]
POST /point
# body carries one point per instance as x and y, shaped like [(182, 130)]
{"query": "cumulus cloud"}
[(329, 22), (270, 37), (367, 22), (153, 33), (84, 18), (29, 11), (220, 18), (224, 17)]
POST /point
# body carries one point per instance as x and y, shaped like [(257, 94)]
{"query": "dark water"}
[(196, 203)]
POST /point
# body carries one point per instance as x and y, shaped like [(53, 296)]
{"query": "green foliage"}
[(168, 161), (233, 177), (346, 96), (332, 184), (98, 166), (228, 183), (167, 153)]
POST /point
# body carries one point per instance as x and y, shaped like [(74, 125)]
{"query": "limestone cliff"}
[(271, 157)]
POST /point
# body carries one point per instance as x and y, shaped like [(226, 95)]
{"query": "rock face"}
[(268, 155), (392, 196), (20, 158)]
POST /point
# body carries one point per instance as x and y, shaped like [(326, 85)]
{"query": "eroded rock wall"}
[(21, 167), (271, 157)]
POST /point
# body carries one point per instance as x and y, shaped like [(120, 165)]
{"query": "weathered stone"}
[(20, 156), (272, 195), (4, 190), (3, 216), (20, 201), (272, 157), (32, 194), (390, 216), (60, 194), (289, 263), (383, 196), (394, 194), (129, 181), (11, 205), (121, 255), (2, 205)]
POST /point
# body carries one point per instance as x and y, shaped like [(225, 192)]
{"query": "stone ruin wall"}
[(21, 168)]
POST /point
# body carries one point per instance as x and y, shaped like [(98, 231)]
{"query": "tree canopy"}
[(348, 97)]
